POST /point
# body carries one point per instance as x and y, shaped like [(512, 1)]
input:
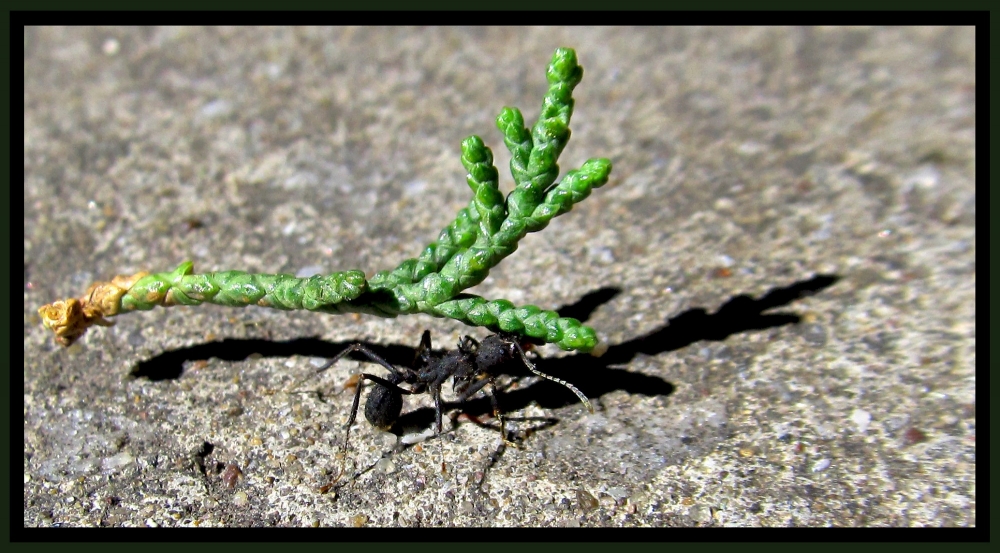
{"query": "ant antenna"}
[(531, 367)]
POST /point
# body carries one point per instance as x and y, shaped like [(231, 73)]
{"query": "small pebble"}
[(586, 501), (861, 419), (700, 513), (385, 466)]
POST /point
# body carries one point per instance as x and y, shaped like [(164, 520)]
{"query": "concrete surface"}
[(783, 268)]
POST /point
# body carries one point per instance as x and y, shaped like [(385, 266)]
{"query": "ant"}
[(472, 366)]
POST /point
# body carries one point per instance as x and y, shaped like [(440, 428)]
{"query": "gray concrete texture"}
[(782, 267)]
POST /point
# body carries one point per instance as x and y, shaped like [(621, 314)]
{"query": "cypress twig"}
[(481, 236)]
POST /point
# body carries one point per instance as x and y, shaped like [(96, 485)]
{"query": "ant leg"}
[(531, 367), (354, 411), (469, 391), (372, 356), (435, 391), (375, 358), (498, 413), (465, 393), (350, 422), (425, 340), (424, 356), (468, 344)]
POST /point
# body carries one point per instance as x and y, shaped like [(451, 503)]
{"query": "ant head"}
[(495, 350)]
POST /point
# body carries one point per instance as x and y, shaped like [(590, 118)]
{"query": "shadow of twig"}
[(594, 376)]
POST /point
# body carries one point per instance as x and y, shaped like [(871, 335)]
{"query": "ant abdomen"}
[(383, 406)]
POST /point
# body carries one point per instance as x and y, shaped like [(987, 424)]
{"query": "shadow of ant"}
[(594, 376)]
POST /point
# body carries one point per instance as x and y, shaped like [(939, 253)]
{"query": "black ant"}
[(472, 366)]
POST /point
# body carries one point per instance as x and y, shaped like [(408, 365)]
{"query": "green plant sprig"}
[(322, 293), (481, 236), (497, 315)]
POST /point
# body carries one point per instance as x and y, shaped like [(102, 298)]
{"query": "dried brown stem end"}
[(71, 318)]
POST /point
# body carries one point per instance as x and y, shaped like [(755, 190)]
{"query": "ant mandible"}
[(472, 366)]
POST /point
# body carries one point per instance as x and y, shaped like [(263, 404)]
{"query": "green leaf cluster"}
[(481, 236)]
